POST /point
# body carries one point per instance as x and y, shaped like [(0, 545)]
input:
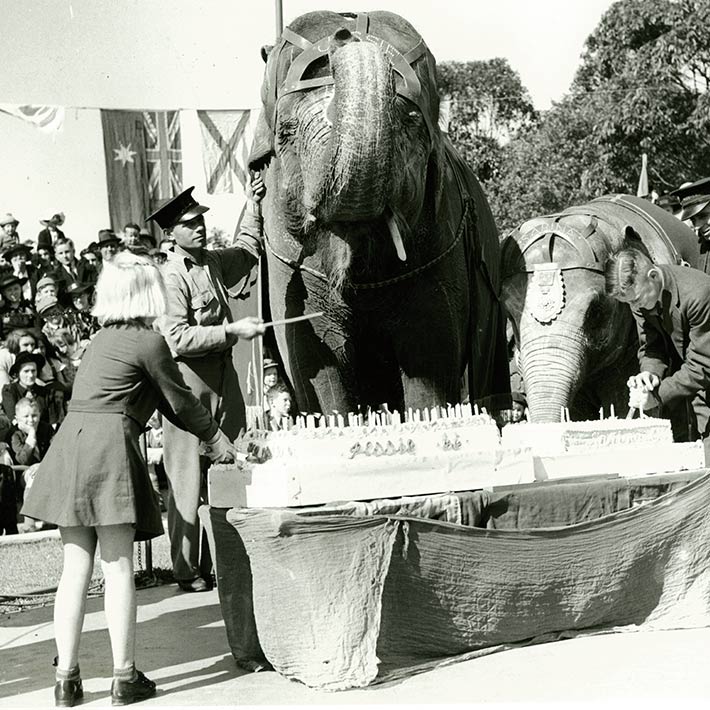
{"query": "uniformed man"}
[(200, 331), (695, 212)]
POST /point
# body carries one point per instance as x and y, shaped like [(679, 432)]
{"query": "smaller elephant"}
[(577, 346)]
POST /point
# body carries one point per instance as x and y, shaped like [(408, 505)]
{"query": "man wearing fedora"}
[(109, 245), (200, 331), (8, 232)]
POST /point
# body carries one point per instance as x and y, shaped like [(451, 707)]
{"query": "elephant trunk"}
[(352, 179), (552, 364)]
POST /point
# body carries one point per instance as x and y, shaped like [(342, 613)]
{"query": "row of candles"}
[(386, 418)]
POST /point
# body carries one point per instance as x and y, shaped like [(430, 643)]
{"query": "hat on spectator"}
[(8, 219), (693, 205), (7, 280), (23, 358), (699, 187), (44, 302), (46, 280), (269, 364), (670, 203), (107, 236), (56, 220), (146, 236), (76, 288), (181, 208), (16, 249), (44, 241), (92, 247)]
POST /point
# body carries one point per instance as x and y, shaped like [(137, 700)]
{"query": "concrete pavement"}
[(183, 647)]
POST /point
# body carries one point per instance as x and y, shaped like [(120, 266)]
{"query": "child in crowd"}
[(29, 441), (279, 407), (30, 437), (60, 332), (154, 455), (46, 286), (24, 373), (79, 313)]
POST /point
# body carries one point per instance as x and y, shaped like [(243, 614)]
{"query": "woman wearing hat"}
[(15, 311), (18, 257), (24, 383), (93, 482)]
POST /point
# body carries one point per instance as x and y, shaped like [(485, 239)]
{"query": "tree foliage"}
[(641, 87), (488, 103)]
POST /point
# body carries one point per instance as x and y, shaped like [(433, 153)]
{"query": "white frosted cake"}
[(624, 447), (432, 452)]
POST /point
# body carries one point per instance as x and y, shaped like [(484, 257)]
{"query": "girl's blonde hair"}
[(130, 287), (623, 271)]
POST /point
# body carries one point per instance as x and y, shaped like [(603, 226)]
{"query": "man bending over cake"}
[(671, 305)]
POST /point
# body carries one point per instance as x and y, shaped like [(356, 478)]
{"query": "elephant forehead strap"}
[(408, 86), (546, 292)]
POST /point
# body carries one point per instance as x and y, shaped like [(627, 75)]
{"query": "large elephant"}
[(371, 217), (577, 346)]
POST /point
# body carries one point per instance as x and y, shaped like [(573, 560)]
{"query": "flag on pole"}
[(226, 142), (48, 119), (642, 189), (143, 162)]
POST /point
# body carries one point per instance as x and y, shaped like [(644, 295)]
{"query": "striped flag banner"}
[(48, 119), (226, 142)]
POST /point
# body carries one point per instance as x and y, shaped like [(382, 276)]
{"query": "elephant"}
[(577, 347), (372, 218)]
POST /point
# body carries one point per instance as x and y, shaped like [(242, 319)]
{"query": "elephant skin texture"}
[(371, 217), (576, 346)]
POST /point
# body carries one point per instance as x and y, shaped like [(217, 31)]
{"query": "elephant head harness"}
[(546, 292), (408, 85)]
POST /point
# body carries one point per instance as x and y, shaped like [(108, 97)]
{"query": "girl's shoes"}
[(68, 693), (125, 692)]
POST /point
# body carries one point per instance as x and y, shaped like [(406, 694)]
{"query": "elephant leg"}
[(430, 332), (316, 353)]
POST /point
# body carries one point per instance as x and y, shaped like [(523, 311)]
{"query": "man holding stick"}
[(199, 329)]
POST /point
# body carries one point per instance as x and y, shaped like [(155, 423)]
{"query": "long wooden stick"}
[(284, 321)]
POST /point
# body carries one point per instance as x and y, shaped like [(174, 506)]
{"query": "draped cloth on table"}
[(342, 602)]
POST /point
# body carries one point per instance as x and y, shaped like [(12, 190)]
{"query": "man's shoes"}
[(67, 693), (253, 666), (125, 692), (194, 585)]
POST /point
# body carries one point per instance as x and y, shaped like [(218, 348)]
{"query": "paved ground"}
[(182, 645)]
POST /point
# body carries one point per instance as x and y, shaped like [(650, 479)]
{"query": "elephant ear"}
[(632, 240), (262, 148)]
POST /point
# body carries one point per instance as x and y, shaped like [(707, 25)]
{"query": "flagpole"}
[(279, 18)]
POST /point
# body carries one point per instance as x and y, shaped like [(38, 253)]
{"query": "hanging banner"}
[(49, 119), (226, 141), (143, 162), (126, 167)]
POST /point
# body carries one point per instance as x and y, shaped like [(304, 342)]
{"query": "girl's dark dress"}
[(94, 473)]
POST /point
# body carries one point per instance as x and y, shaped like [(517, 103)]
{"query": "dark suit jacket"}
[(86, 274), (675, 343)]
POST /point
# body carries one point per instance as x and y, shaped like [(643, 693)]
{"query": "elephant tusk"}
[(396, 236)]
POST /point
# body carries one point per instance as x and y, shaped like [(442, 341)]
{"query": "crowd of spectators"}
[(46, 296)]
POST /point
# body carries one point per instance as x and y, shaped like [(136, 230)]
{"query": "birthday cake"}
[(432, 451), (624, 447)]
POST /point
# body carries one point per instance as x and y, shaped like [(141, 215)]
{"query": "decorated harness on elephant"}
[(546, 294), (408, 86), (407, 82)]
